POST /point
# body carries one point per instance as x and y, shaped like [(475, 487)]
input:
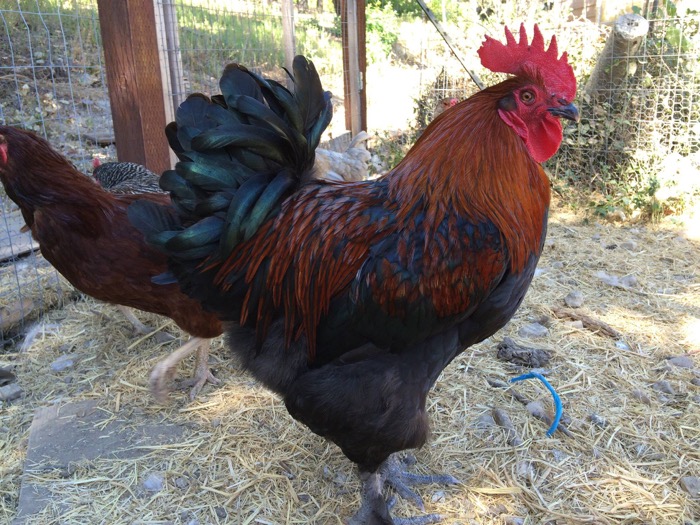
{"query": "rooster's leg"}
[(202, 372), (164, 371), (373, 509)]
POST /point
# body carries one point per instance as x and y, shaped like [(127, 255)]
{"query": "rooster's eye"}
[(527, 96)]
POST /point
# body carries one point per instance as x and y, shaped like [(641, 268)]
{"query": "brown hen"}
[(83, 231)]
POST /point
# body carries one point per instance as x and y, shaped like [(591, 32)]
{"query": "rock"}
[(533, 330), (559, 455), (439, 496), (536, 408), (598, 421), (691, 484), (629, 245), (485, 420), (641, 396), (574, 299), (10, 392), (663, 387), (630, 281), (154, 482), (695, 381), (64, 362), (682, 361), (182, 482), (221, 513), (341, 478), (86, 80), (557, 265), (503, 420), (617, 215), (622, 345), (513, 520), (575, 325)]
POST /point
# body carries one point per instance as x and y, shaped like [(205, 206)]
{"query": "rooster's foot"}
[(396, 476), (374, 509)]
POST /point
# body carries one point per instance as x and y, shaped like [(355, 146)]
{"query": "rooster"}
[(83, 231), (349, 299)]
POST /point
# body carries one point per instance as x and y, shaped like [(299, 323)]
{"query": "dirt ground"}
[(629, 452)]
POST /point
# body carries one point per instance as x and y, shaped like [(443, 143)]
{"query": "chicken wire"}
[(639, 135), (638, 130), (208, 34), (51, 82)]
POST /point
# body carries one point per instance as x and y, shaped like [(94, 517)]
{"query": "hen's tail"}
[(241, 154)]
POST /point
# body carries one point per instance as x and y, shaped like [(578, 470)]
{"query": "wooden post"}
[(134, 80), (288, 36), (353, 24), (617, 59)]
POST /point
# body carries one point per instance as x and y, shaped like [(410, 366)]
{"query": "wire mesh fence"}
[(51, 82), (213, 33), (638, 143)]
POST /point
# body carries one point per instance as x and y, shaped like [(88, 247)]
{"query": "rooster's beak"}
[(568, 112)]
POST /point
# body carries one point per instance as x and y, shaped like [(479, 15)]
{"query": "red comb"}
[(520, 57)]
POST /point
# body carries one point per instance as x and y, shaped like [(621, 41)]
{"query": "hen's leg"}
[(164, 371), (202, 372), (139, 327)]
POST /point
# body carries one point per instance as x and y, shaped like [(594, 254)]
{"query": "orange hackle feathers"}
[(451, 169)]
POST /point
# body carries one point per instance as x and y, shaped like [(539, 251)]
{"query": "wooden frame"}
[(141, 76), (135, 81)]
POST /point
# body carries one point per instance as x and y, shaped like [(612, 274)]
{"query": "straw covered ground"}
[(629, 452)]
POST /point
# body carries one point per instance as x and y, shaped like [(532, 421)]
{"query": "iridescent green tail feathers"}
[(241, 153)]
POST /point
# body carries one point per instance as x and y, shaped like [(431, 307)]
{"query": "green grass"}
[(69, 28), (210, 38)]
